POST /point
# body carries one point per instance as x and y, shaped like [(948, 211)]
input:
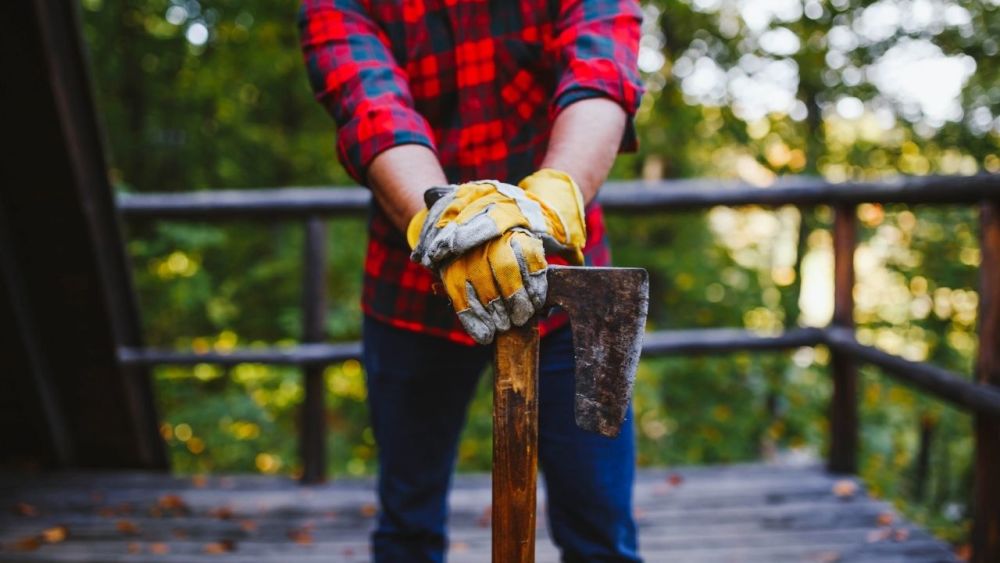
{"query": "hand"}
[(497, 284), (549, 205)]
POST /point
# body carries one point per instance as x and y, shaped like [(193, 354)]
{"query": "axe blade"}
[(607, 312)]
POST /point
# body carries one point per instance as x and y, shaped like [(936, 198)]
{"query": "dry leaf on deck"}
[(845, 488), (55, 534), (127, 527), (25, 509), (159, 548)]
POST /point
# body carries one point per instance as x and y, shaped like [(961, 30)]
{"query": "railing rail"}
[(626, 197), (980, 396)]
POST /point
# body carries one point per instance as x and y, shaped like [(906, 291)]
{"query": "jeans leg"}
[(588, 477), (419, 388)]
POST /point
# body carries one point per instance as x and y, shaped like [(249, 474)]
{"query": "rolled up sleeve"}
[(356, 78), (598, 43)]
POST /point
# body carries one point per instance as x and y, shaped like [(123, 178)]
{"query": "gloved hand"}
[(558, 192), (497, 284), (548, 204)]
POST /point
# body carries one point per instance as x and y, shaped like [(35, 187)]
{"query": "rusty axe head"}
[(607, 313)]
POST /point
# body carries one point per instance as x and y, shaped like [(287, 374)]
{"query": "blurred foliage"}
[(202, 94)]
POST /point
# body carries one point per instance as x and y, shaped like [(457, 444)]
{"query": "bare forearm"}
[(584, 142), (399, 176)]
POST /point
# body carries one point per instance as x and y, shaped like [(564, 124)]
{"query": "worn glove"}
[(567, 230), (548, 204), (497, 284)]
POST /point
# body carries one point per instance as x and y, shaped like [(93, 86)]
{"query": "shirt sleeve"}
[(356, 78), (598, 46)]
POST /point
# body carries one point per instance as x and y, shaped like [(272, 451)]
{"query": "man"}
[(440, 92)]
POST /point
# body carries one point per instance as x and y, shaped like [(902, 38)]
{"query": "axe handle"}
[(515, 444)]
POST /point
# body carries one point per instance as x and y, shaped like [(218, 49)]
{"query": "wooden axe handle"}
[(515, 444)]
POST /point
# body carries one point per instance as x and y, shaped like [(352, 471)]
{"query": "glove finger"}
[(531, 262), (480, 276), (466, 304), (415, 227), (507, 273), (429, 227), (469, 283)]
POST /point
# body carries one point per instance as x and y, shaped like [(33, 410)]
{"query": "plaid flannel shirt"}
[(477, 81)]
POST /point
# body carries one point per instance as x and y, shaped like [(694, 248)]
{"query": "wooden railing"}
[(979, 396)]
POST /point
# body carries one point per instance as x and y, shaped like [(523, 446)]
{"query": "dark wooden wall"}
[(66, 298)]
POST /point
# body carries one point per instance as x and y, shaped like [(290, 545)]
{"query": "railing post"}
[(986, 499), (312, 437), (844, 405)]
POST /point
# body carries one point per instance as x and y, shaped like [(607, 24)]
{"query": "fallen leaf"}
[(173, 503), (348, 552), (828, 557), (301, 537), (25, 509), (221, 546), (963, 552), (180, 533), (884, 519), (134, 547), (222, 513), (845, 488), (675, 479), (878, 535), (368, 510), (159, 548), (901, 534), (127, 527), (459, 547), (55, 534), (28, 544), (486, 518), (248, 526), (199, 481)]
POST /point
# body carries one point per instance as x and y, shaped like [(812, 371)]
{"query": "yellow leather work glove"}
[(497, 284), (473, 213), (559, 194)]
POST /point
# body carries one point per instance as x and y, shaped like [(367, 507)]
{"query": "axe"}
[(607, 312)]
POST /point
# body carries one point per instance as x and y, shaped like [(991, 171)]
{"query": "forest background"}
[(208, 94)]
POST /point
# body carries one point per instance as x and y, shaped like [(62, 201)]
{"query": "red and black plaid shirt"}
[(477, 81)]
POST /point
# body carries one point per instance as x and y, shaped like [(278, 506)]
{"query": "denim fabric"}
[(419, 387)]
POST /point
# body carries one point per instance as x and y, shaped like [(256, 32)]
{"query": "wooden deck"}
[(751, 512)]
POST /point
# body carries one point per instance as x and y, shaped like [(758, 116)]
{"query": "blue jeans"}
[(419, 388)]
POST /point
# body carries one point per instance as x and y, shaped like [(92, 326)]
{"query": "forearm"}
[(399, 177), (584, 142)]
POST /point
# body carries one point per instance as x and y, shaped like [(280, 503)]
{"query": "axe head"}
[(607, 313)]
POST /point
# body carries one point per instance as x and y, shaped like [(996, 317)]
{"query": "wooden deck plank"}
[(739, 513)]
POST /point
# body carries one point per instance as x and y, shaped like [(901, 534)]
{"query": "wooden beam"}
[(723, 340), (56, 447), (619, 197), (844, 405), (659, 343), (303, 354), (312, 446), (937, 382), (67, 245), (986, 487)]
